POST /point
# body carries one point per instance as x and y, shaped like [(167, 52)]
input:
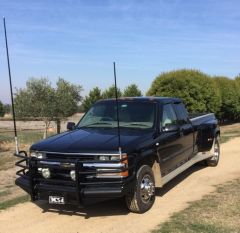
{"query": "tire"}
[(141, 196), (213, 161)]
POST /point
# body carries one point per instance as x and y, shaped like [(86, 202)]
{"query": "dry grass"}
[(229, 132), (215, 213), (9, 203)]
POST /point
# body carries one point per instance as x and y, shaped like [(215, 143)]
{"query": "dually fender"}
[(152, 158)]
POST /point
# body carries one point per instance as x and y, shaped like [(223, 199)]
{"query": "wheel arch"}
[(152, 160)]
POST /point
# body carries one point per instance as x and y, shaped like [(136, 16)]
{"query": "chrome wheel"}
[(147, 188), (213, 161), (216, 151), (141, 196)]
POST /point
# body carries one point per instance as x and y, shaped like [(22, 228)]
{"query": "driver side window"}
[(168, 116)]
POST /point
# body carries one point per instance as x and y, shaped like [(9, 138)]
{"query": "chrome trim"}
[(197, 158), (195, 118), (61, 164), (105, 165), (87, 154), (111, 177), (105, 177), (50, 163), (92, 165)]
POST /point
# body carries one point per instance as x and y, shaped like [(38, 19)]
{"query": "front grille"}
[(62, 172), (82, 157)]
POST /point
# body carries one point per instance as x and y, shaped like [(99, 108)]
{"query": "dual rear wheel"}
[(213, 161)]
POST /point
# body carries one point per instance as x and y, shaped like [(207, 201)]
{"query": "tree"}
[(110, 93), (67, 97), (7, 108), (39, 99), (237, 78), (2, 110), (230, 99), (93, 96), (131, 91), (36, 100), (198, 90), (237, 82)]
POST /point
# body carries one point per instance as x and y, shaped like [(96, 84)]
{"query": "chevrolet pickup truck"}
[(84, 165)]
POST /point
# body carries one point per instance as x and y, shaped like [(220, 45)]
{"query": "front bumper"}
[(78, 192)]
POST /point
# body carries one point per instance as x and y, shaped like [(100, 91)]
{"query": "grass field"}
[(9, 203), (215, 213), (25, 137), (226, 136)]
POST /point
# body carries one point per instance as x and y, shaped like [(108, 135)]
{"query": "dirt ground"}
[(112, 216)]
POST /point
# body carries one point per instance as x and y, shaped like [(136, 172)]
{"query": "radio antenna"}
[(10, 81), (116, 96)]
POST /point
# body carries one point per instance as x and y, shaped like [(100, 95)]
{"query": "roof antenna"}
[(10, 81), (116, 95)]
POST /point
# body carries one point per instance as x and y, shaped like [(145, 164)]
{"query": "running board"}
[(199, 157)]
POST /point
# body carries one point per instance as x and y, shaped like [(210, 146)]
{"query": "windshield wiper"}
[(135, 124), (97, 123)]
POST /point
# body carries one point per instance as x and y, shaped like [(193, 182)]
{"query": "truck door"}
[(186, 130), (170, 144)]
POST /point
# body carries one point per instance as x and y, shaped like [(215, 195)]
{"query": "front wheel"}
[(213, 161), (141, 197)]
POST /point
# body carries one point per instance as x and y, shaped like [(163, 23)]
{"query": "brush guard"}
[(30, 179)]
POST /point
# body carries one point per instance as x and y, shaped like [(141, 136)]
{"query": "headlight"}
[(113, 171), (115, 157), (108, 157), (104, 158), (38, 155), (73, 175), (46, 173)]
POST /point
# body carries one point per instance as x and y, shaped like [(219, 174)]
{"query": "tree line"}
[(96, 94), (199, 91), (39, 99)]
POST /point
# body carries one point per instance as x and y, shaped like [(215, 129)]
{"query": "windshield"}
[(132, 114)]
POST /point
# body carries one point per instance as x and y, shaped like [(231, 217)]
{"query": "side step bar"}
[(160, 181), (199, 157)]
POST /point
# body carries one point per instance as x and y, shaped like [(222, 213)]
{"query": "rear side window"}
[(168, 116), (182, 113)]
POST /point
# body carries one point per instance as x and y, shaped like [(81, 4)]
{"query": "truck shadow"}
[(105, 208), (111, 207)]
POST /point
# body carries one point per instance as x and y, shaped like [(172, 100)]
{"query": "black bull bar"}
[(80, 189)]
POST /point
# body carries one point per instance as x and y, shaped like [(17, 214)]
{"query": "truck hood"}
[(95, 141)]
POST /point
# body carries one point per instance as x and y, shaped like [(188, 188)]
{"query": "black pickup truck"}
[(83, 165)]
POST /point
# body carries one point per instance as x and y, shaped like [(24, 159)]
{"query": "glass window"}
[(181, 113), (168, 117), (132, 114)]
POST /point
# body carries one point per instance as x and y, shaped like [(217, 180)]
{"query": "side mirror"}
[(170, 128), (71, 126)]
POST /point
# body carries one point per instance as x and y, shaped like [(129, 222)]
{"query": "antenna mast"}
[(10, 81), (116, 95)]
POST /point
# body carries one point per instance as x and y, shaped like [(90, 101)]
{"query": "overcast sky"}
[(79, 40)]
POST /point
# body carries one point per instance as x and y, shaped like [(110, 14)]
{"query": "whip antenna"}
[(116, 96), (10, 81)]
